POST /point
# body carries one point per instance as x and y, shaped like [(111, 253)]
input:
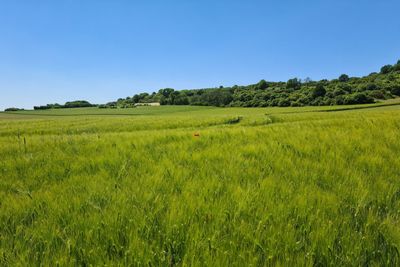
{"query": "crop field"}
[(201, 186)]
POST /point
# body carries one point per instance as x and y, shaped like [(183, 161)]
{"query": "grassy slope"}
[(282, 186)]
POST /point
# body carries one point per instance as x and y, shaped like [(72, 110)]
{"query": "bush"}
[(78, 104), (358, 98), (338, 91), (344, 78), (283, 102), (319, 101), (219, 98), (346, 87), (13, 109), (339, 100), (395, 90), (371, 87), (396, 67), (377, 94), (318, 91), (293, 84), (262, 85), (386, 69), (296, 104)]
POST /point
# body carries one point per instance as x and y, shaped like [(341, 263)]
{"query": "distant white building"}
[(154, 104)]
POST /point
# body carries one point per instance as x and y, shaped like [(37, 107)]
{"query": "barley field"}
[(201, 186)]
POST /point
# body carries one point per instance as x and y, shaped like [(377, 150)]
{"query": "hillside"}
[(344, 90)]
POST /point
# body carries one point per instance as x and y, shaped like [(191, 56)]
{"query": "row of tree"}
[(13, 109), (72, 104), (295, 92)]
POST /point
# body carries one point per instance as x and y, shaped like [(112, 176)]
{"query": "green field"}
[(310, 186)]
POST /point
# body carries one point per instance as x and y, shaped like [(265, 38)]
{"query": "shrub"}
[(371, 87), (396, 67), (293, 84), (296, 104), (13, 109), (339, 100), (78, 104), (344, 78), (262, 85), (283, 102), (338, 91), (386, 69), (377, 94), (346, 87), (395, 90), (358, 98), (318, 91)]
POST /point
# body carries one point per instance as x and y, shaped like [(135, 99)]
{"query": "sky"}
[(101, 50)]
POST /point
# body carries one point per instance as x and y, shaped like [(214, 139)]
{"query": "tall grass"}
[(271, 188)]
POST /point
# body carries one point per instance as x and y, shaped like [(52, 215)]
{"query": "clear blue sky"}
[(100, 50)]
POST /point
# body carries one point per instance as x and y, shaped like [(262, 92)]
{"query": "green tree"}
[(339, 91), (219, 98), (262, 85), (344, 78), (166, 92), (318, 91), (283, 102), (76, 104), (371, 87), (358, 98), (386, 69), (293, 84), (397, 66), (395, 90)]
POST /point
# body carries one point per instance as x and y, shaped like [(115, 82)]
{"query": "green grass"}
[(259, 186)]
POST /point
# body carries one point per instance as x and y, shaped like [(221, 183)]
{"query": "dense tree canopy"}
[(13, 109), (73, 104), (344, 78), (294, 92)]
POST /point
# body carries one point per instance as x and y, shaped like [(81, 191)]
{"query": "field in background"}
[(201, 186)]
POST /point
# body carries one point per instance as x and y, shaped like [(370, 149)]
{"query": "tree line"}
[(295, 92), (344, 90), (72, 104)]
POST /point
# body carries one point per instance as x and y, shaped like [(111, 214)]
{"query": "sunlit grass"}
[(256, 187)]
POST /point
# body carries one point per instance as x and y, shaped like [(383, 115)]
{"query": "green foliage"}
[(218, 98), (293, 84), (386, 69), (262, 85), (78, 104), (318, 91), (377, 94), (370, 87), (342, 91), (397, 66), (395, 90), (345, 90), (358, 98), (73, 104), (13, 109), (338, 92), (283, 102), (269, 94), (48, 106), (344, 78)]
